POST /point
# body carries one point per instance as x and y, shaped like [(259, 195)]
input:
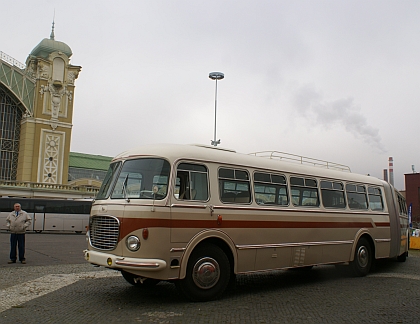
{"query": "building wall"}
[(412, 189), (26, 151)]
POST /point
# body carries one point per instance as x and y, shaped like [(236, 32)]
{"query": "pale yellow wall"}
[(26, 151)]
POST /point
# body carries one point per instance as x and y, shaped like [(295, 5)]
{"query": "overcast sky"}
[(332, 80)]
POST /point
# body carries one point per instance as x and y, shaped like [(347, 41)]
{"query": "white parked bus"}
[(197, 216), (50, 215)]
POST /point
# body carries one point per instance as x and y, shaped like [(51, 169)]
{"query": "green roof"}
[(48, 46), (89, 161)]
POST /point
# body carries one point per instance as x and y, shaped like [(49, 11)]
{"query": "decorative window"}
[(58, 69), (10, 119), (270, 189)]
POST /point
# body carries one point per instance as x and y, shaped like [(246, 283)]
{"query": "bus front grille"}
[(104, 232)]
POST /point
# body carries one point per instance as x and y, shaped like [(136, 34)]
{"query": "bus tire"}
[(402, 257), (302, 269), (133, 280), (363, 257), (208, 274)]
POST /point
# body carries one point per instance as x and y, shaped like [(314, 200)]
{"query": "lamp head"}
[(216, 75)]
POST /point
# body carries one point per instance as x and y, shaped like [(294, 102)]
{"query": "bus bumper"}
[(116, 262)]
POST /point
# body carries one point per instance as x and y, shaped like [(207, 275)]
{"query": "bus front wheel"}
[(363, 257), (135, 280), (208, 274)]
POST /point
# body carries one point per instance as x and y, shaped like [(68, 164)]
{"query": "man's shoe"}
[(11, 261), (23, 262)]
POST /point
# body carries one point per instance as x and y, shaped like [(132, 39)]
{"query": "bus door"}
[(39, 218), (190, 202)]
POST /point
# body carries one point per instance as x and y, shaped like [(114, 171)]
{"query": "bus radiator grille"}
[(104, 232)]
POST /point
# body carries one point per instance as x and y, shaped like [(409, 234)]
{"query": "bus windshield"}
[(110, 176), (145, 178)]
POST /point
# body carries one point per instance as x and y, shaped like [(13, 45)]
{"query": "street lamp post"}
[(215, 76)]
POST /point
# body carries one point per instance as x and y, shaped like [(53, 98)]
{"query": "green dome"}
[(48, 46)]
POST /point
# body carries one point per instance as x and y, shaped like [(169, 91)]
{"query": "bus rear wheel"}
[(135, 280), (402, 257), (208, 274), (363, 257)]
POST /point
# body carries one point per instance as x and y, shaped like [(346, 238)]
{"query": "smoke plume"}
[(345, 112)]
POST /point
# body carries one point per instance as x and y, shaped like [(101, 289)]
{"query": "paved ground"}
[(57, 286), (46, 249)]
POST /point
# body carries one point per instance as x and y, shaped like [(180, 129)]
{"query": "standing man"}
[(17, 222)]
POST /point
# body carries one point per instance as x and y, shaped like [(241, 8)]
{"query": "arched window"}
[(10, 119), (58, 69)]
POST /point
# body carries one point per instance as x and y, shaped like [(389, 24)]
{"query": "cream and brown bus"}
[(198, 215)]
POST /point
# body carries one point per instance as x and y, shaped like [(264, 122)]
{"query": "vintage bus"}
[(50, 215), (198, 215)]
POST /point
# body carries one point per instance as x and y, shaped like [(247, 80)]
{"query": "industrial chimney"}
[(386, 175), (391, 170)]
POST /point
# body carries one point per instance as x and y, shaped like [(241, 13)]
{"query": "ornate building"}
[(35, 137), (36, 112)]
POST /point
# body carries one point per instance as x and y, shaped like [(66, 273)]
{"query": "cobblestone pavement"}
[(57, 286)]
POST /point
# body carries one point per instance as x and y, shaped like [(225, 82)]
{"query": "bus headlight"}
[(133, 243)]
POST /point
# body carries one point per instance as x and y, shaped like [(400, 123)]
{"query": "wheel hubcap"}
[(363, 256), (206, 273)]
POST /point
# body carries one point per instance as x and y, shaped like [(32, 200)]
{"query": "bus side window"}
[(375, 199), (356, 196), (402, 206), (192, 182), (332, 194), (184, 185), (270, 189), (304, 192), (234, 186)]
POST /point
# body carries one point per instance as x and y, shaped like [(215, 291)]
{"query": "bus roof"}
[(174, 152)]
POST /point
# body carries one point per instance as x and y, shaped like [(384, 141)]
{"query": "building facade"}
[(36, 133), (87, 170), (36, 118), (412, 196)]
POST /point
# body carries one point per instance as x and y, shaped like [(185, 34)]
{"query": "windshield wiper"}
[(124, 188)]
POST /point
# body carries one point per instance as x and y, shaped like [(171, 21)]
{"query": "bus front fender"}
[(212, 236)]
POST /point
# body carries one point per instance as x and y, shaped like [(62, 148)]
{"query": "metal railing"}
[(301, 160), (7, 58), (46, 186)]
